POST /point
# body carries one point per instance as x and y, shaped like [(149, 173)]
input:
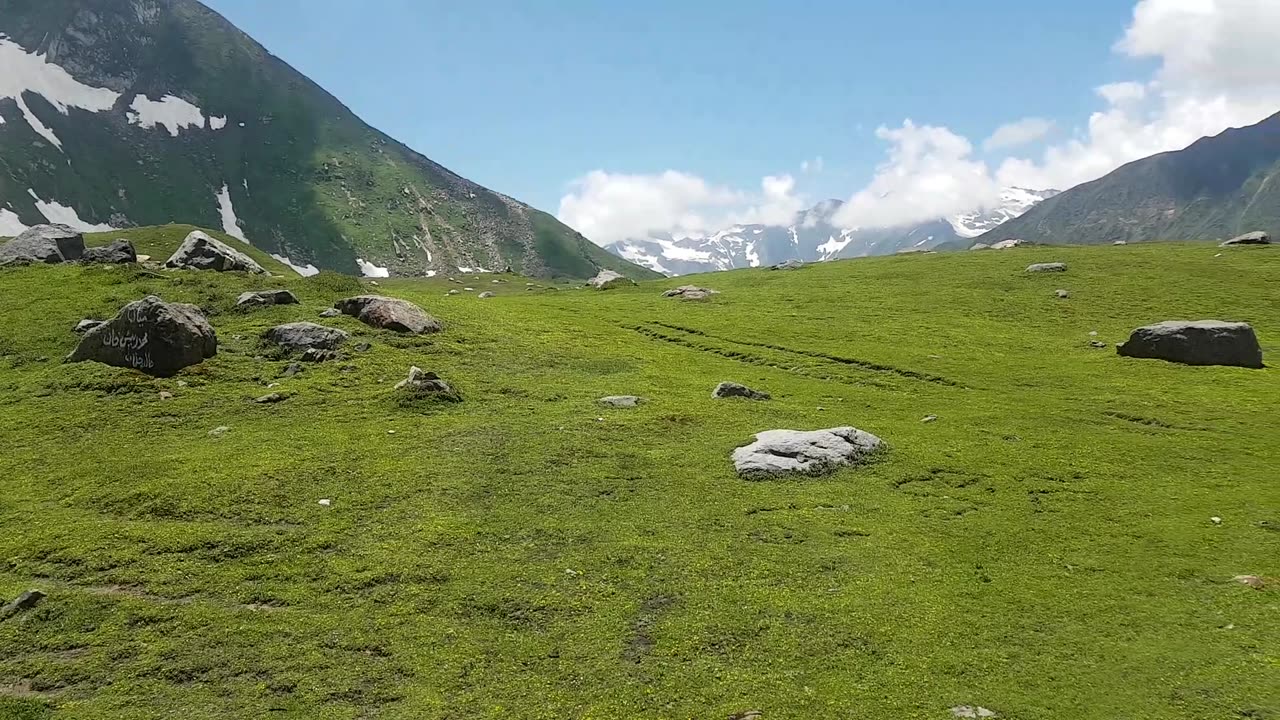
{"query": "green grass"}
[(1044, 549)]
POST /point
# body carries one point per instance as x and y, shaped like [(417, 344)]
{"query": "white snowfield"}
[(368, 269), (60, 214), (174, 113), (230, 223), (25, 72), (10, 225), (303, 270)]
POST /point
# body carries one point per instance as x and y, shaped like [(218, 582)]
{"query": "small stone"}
[(1093, 333), (1062, 294), (363, 347), (292, 369), (736, 390), (1215, 520), (497, 282), (621, 401), (330, 312), (469, 289), (201, 252), (270, 399), (1252, 581), (454, 291), (1098, 345), (747, 715), (486, 295), (165, 395), (930, 418), (263, 298), (219, 431), (818, 452), (386, 313), (391, 432), (25, 601), (183, 383), (1047, 268), (966, 711), (326, 502), (1120, 242)]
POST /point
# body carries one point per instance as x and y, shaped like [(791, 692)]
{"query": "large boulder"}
[(1201, 342), (608, 280), (150, 335), (43, 244), (387, 313), (1253, 238), (119, 252), (263, 298), (201, 252), (303, 336), (1054, 267), (776, 453)]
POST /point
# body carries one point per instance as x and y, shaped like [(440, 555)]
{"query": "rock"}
[(25, 601), (426, 385), (150, 335), (364, 347), (1215, 520), (1047, 268), (1120, 242), (325, 502), (166, 395), (981, 246), (966, 711), (1098, 345), (469, 289), (201, 252), (43, 244), (1062, 294), (608, 280), (1253, 238), (788, 265), (299, 336), (747, 715), (486, 295), (144, 258), (262, 298), (387, 313), (691, 292), (621, 401), (270, 399), (86, 325), (318, 355), (930, 419), (782, 452), (1203, 342), (1008, 244), (292, 369), (734, 390), (330, 313), (454, 292), (1252, 581), (119, 252), (219, 431)]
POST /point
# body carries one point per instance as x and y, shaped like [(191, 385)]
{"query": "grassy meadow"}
[(1045, 549)]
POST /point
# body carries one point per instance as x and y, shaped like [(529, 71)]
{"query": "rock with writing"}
[(388, 313), (150, 335), (43, 244), (201, 252), (120, 252)]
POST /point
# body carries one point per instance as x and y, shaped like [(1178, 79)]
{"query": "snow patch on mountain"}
[(1014, 202), (230, 223), (10, 224), (25, 72), (217, 123), (174, 113), (303, 270), (60, 214), (370, 270)]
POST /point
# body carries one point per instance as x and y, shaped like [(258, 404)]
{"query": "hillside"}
[(143, 112), (1217, 188), (1044, 549)]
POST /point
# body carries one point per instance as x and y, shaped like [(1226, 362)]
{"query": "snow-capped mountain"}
[(813, 237)]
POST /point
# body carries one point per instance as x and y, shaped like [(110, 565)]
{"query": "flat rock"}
[(1120, 242), (150, 335), (788, 265), (608, 280), (201, 252), (269, 399), (319, 355), (1252, 581), (119, 252), (486, 295), (621, 401), (691, 292), (330, 313), (49, 244), (1054, 267), (263, 298), (1008, 244), (777, 453), (1201, 342), (734, 390), (387, 313), (1253, 238), (305, 335)]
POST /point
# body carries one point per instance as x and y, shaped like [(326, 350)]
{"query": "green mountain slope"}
[(220, 116), (1044, 549), (1217, 188)]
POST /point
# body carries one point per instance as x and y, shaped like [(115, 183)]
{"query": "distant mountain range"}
[(1217, 188), (813, 236), (116, 113)]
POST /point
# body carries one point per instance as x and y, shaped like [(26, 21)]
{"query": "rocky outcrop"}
[(150, 335), (777, 453), (387, 313), (1201, 342), (49, 244), (201, 252)]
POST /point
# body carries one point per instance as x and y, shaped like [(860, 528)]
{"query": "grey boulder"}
[(788, 265), (43, 244), (1047, 268), (119, 252), (1253, 238), (608, 280), (25, 601), (777, 453), (422, 384), (263, 298), (150, 335), (305, 336), (621, 401), (691, 292), (735, 390), (201, 252), (1201, 342), (387, 313)]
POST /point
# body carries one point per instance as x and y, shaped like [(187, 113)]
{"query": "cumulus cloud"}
[(607, 207), (1017, 134)]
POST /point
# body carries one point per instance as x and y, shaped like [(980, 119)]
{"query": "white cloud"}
[(812, 166), (930, 173), (1017, 134), (607, 207)]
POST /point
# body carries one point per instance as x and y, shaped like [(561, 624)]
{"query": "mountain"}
[(118, 113), (813, 236), (1219, 187)]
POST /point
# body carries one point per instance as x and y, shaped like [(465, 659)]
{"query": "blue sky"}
[(525, 96)]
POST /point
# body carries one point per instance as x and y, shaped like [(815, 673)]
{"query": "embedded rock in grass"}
[(1120, 242), (1252, 581), (262, 298), (486, 295), (784, 452), (788, 265), (733, 389), (120, 252), (25, 601), (269, 399), (967, 711), (1062, 294), (305, 336), (86, 325), (1202, 342), (43, 244), (1047, 268), (691, 292), (387, 313), (423, 385), (318, 355), (981, 246), (608, 280), (201, 252), (621, 401), (292, 369), (150, 335), (1253, 238), (330, 313)]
